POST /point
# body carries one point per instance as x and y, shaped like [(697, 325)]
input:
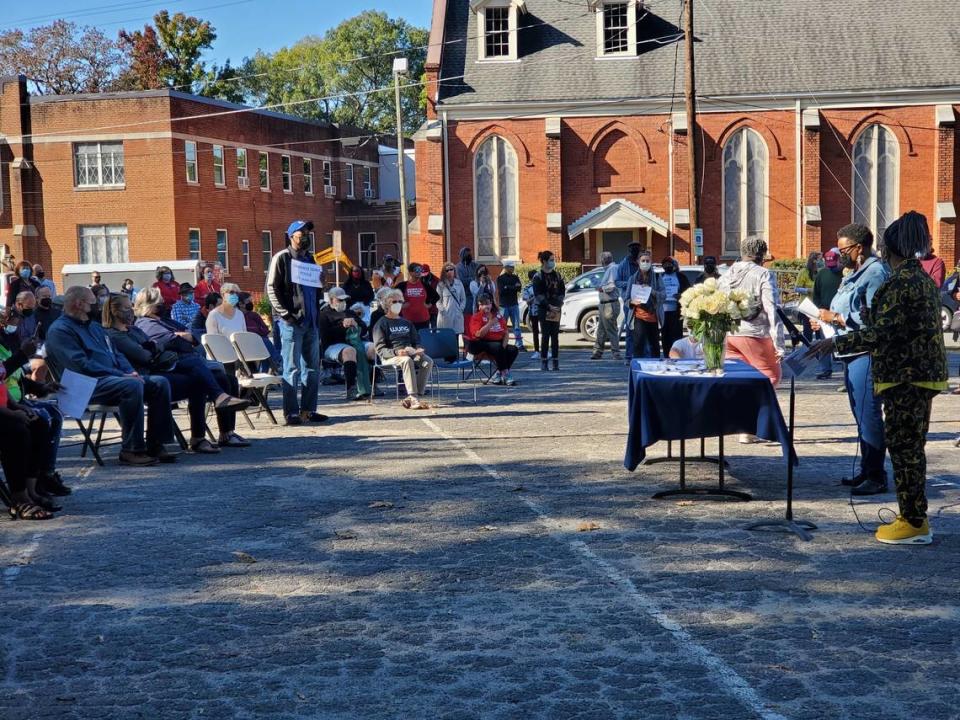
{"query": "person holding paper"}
[(644, 296), (674, 285), (607, 328), (825, 286), (296, 307)]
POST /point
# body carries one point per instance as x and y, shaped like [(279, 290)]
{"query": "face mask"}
[(208, 276), (10, 329), (167, 277), (94, 314), (305, 243), (27, 313), (185, 298), (645, 265), (127, 317), (635, 252), (338, 306), (669, 269), (710, 267), (551, 264), (467, 259), (232, 299), (355, 276), (45, 303), (41, 274), (819, 264), (846, 261), (25, 274), (395, 308)]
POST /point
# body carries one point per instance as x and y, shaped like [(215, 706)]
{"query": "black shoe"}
[(854, 481), (162, 454), (543, 365), (870, 486), (556, 365), (314, 417), (136, 457), (824, 375), (53, 485), (597, 356), (293, 420)]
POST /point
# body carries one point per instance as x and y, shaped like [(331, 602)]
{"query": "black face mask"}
[(467, 259), (41, 274), (635, 252), (846, 261), (27, 313), (304, 243), (45, 303), (710, 267), (94, 314), (669, 269)]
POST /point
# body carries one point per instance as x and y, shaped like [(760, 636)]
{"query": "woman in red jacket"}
[(167, 285), (487, 333), (418, 297)]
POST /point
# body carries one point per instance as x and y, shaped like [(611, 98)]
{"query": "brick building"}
[(561, 125), (162, 175)]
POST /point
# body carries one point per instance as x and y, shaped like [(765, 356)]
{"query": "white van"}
[(143, 274)]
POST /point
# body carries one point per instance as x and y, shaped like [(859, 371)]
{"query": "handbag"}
[(164, 361), (553, 313)]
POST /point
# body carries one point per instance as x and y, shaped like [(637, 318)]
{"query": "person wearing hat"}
[(340, 332), (297, 309), (509, 286), (825, 286), (709, 270), (901, 332), (208, 284), (418, 297), (185, 309)]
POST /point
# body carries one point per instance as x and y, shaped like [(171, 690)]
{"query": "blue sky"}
[(243, 26)]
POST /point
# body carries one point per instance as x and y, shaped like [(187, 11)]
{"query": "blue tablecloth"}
[(677, 407)]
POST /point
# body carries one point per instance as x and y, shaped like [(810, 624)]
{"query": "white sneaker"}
[(748, 439), (534, 356)]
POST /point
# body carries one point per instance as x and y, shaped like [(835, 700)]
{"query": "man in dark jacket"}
[(297, 307), (825, 286), (467, 273), (335, 320)]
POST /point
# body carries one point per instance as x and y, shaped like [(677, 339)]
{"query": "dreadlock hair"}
[(907, 236)]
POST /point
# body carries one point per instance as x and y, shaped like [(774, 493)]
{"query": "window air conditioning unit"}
[(243, 183), (329, 190), (368, 193)]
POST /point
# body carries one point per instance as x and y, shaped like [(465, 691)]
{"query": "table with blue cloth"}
[(696, 406)]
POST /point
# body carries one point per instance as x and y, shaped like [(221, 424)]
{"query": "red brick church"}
[(560, 124)]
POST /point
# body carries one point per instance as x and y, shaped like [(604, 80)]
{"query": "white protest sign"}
[(640, 293), (76, 393), (303, 273)]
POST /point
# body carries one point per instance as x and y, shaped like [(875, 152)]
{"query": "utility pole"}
[(400, 68), (692, 125)]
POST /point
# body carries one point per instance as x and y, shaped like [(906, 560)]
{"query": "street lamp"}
[(400, 68)]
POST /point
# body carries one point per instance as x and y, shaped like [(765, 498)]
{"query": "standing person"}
[(22, 280), (357, 287), (167, 285), (608, 330), (533, 313), (297, 307), (467, 272), (903, 336), (397, 342), (626, 269), (934, 267), (645, 312), (709, 270), (487, 333), (208, 284), (185, 309), (804, 286), (825, 287), (481, 285), (388, 275), (418, 297), (97, 285), (41, 275), (432, 281), (508, 290), (549, 289), (854, 296), (759, 339), (674, 284), (452, 301)]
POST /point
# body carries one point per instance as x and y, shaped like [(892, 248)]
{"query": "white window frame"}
[(367, 180), (225, 260), (221, 166), (348, 179), (189, 145), (242, 169), (99, 155), (307, 176), (496, 257), (268, 253), (511, 55), (286, 176), (103, 234), (245, 254), (873, 216), (744, 189), (190, 252), (601, 9), (261, 171), (362, 254)]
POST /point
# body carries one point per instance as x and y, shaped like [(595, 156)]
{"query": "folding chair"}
[(239, 349), (442, 344), (5, 496), (379, 367)]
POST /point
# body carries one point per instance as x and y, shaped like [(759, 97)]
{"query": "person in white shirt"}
[(227, 318), (687, 348), (608, 329)]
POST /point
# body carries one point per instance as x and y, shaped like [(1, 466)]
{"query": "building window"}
[(368, 182), (616, 28), (190, 153), (367, 242), (222, 254), (348, 179), (285, 173), (308, 176), (266, 242), (245, 253), (495, 199), (744, 189), (103, 244), (219, 176), (193, 243), (876, 179), (99, 164), (496, 32), (328, 188), (243, 181), (264, 171)]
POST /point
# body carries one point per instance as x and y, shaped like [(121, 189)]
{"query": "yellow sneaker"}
[(901, 532)]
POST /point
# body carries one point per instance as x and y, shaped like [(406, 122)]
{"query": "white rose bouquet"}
[(711, 313)]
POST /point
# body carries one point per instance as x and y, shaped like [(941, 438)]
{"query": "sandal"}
[(232, 440), (29, 511), (204, 447)]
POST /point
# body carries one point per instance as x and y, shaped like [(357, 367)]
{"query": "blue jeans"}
[(129, 394), (300, 350), (512, 313), (274, 356), (858, 376)]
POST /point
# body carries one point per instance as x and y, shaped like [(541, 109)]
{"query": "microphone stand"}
[(789, 524)]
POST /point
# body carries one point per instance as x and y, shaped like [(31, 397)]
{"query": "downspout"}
[(670, 189), (798, 140), (446, 191)]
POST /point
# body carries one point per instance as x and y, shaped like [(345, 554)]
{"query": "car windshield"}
[(588, 281)]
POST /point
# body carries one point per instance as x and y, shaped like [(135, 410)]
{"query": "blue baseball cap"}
[(296, 225)]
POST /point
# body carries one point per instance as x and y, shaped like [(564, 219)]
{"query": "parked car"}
[(948, 306)]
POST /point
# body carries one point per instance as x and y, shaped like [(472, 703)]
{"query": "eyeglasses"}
[(848, 249)]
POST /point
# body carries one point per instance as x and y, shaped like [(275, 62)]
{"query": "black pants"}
[(646, 339), (503, 355), (22, 445), (549, 333), (187, 384), (671, 331), (535, 328)]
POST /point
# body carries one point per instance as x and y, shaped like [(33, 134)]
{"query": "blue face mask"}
[(551, 264), (26, 273), (232, 299), (10, 329), (167, 277)]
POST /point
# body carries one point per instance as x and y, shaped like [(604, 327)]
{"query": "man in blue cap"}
[(297, 307)]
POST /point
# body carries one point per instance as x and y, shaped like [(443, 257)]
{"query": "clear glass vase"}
[(714, 349)]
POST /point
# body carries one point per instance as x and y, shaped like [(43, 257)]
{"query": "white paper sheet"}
[(305, 273), (806, 307), (640, 293), (76, 393)]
